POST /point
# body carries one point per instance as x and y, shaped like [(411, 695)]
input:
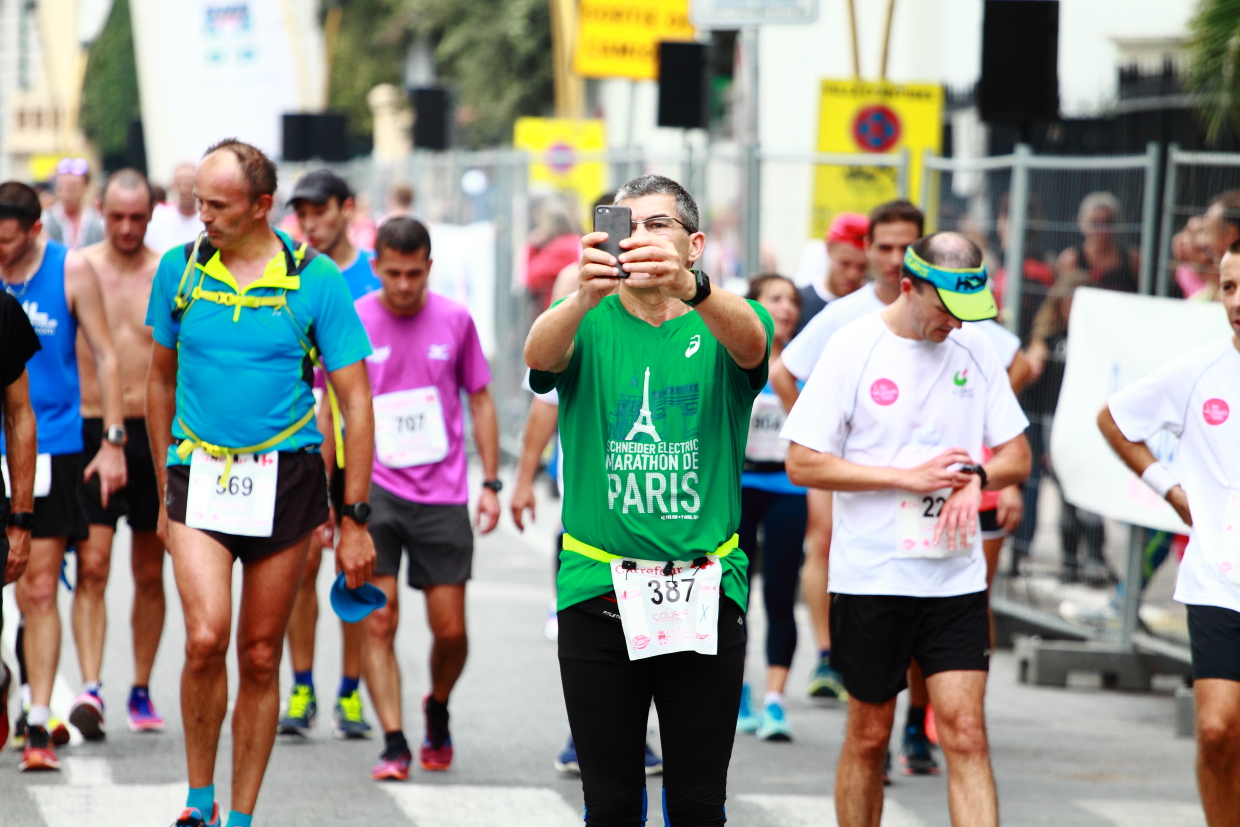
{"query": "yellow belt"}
[(187, 446), (571, 543)]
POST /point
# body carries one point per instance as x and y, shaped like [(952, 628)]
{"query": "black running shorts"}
[(1214, 633), (301, 505), (874, 637), (438, 538), (139, 499), (60, 513)]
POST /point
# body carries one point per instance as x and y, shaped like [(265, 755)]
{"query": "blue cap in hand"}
[(351, 605)]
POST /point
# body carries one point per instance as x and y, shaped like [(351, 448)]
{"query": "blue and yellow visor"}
[(963, 290)]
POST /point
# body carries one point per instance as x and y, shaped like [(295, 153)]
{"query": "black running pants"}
[(608, 699)]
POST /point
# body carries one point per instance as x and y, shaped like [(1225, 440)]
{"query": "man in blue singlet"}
[(324, 205), (60, 293), (239, 319)]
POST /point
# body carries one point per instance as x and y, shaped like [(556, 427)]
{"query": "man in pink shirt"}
[(426, 350)]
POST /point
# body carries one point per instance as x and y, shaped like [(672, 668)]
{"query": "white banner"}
[(1114, 339), (212, 69)]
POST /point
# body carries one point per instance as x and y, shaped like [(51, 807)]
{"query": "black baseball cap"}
[(319, 185)]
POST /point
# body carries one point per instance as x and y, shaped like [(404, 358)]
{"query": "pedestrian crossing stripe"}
[(459, 805), (819, 811)]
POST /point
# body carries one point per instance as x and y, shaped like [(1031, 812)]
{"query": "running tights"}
[(608, 699), (782, 517)]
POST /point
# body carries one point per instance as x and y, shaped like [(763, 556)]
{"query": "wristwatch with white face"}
[(116, 435)]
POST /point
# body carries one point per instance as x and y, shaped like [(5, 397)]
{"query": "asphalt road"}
[(1079, 756)]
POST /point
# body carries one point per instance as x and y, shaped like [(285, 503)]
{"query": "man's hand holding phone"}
[(600, 272)]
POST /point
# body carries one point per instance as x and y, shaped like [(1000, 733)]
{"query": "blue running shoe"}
[(142, 714), (773, 725), (192, 817), (826, 683), (746, 718), (303, 708), (566, 761), (915, 754)]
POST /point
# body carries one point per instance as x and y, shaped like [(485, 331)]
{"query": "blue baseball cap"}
[(964, 290), (351, 605)]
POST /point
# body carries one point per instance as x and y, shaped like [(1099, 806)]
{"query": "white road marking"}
[(819, 811), (87, 771), (1149, 813), (469, 806), (108, 806)]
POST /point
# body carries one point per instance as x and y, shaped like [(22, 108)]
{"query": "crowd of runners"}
[(258, 395)]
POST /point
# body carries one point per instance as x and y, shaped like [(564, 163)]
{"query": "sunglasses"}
[(72, 166)]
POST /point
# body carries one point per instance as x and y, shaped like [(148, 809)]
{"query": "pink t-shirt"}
[(439, 346)]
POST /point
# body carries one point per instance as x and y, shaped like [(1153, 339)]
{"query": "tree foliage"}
[(110, 88), (1214, 63), (494, 54)]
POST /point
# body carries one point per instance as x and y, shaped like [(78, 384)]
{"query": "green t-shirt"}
[(653, 422)]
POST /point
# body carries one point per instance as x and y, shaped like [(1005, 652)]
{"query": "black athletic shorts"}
[(873, 638), (1214, 633), (988, 525), (60, 513), (139, 499), (439, 539), (301, 505)]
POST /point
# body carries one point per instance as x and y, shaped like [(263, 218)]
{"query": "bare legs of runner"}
[(90, 616), (302, 625), (36, 597), (958, 702), (445, 614), (814, 570), (1218, 749), (203, 570)]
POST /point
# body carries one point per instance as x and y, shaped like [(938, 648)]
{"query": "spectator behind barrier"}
[(1110, 265)]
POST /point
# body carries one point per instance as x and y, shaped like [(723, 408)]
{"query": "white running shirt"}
[(1197, 398), (878, 399)]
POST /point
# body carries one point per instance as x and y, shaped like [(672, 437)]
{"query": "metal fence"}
[(1193, 180)]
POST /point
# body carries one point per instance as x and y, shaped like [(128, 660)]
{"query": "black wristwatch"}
[(703, 288), (22, 519), (980, 471), (358, 512), (495, 485)]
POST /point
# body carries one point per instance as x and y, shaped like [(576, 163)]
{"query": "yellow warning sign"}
[(555, 144), (863, 117), (620, 38)]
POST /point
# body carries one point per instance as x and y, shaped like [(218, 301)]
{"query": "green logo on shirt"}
[(961, 378)]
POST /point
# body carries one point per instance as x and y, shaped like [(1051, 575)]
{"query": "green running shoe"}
[(826, 683), (347, 720), (301, 712)]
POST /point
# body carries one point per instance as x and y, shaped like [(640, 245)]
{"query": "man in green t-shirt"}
[(656, 384)]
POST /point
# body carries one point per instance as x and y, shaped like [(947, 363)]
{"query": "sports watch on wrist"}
[(21, 519), (703, 288), (358, 512), (980, 471), (495, 485), (116, 435)]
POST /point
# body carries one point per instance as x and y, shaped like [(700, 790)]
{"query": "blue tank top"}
[(55, 391)]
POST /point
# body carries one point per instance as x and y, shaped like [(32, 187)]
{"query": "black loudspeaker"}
[(431, 117), (1020, 54), (684, 85), (320, 136)]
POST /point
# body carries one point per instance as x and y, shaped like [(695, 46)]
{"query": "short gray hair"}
[(1093, 201), (948, 249), (686, 207)]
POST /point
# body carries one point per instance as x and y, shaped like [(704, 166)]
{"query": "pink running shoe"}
[(392, 767), (436, 750), (87, 716)]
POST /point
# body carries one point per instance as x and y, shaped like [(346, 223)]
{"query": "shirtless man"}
[(125, 267)]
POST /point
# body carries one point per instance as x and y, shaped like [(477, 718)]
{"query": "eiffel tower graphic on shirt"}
[(644, 423)]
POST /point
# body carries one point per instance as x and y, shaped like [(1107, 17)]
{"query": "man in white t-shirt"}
[(892, 226), (899, 434), (175, 222), (1197, 398)]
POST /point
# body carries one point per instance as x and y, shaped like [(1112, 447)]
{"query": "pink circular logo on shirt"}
[(884, 391), (1215, 411)]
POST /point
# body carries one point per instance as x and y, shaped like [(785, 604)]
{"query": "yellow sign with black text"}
[(620, 38), (863, 117)]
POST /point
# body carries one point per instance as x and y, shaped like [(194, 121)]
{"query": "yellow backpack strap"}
[(194, 441), (571, 543), (180, 301)]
